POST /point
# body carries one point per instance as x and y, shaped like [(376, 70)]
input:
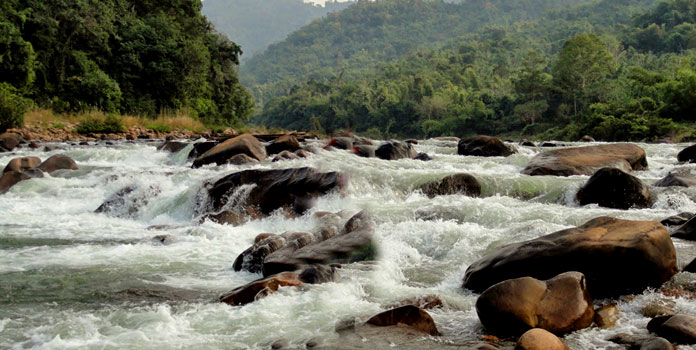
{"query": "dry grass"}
[(45, 118)]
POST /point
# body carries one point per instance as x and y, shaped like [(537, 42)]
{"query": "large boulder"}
[(200, 148), (678, 177), (687, 155), (484, 146), (616, 256), (454, 184), (286, 142), (613, 188), (560, 305), (539, 339), (220, 154), (268, 190), (408, 315), (393, 150), (21, 164), (58, 162), (587, 160), (9, 141), (679, 328)]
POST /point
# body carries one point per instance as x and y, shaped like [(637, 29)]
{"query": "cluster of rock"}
[(25, 168)]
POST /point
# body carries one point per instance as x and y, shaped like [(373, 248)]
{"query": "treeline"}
[(139, 57), (255, 24), (614, 69)]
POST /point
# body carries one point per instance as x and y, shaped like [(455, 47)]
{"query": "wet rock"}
[(172, 146), (21, 164), (686, 231), (425, 302), (127, 202), (587, 160), (341, 143), (364, 151), (12, 178), (302, 153), (58, 162), (243, 144), (34, 145), (587, 138), (679, 177), (241, 159), (484, 146), (527, 143), (9, 141), (394, 150), (676, 220), (285, 155), (547, 144), (655, 309), (286, 142), (679, 328), (616, 256), (613, 188), (252, 259), (690, 267), (606, 316), (423, 156), (642, 342), (200, 148), (454, 184), (559, 305), (409, 315), (687, 155), (539, 339)]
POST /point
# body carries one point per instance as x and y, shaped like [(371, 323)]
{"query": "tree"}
[(532, 86)]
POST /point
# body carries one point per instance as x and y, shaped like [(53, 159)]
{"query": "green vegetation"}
[(120, 56), (614, 69), (12, 107), (109, 124), (255, 24)]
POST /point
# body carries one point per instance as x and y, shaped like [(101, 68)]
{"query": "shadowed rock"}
[(365, 151), (679, 219), (242, 144), (286, 142), (687, 155), (341, 142), (172, 146), (484, 146), (686, 231), (679, 177), (613, 188), (454, 184), (394, 150), (642, 342), (12, 178), (679, 328), (587, 160), (201, 147)]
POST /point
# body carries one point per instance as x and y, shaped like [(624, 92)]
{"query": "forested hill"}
[(359, 38), (614, 69), (255, 24)]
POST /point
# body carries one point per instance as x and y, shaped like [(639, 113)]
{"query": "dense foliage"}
[(255, 24), (614, 69), (128, 56)]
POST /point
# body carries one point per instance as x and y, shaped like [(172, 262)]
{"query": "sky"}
[(321, 2)]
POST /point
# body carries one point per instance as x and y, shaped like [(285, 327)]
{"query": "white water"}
[(64, 268)]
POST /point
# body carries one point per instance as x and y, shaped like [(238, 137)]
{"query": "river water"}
[(71, 278)]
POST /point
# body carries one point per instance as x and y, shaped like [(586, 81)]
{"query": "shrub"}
[(12, 107), (110, 124), (159, 127)]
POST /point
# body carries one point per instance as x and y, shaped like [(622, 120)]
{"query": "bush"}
[(110, 124), (12, 107), (159, 127)]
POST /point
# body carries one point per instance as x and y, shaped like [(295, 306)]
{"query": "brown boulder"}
[(559, 305), (394, 150), (539, 339), (408, 315), (286, 142), (9, 141), (616, 256), (58, 162), (587, 160), (12, 178), (21, 164), (484, 146), (606, 316), (220, 154), (454, 184), (679, 328), (613, 188)]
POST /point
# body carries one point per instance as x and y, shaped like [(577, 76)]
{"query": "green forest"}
[(139, 57), (613, 69)]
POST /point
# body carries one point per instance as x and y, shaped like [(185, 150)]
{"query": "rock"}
[(680, 177), (676, 220), (686, 155), (9, 141), (409, 315), (58, 162), (643, 342), (613, 188), (21, 164), (172, 146), (364, 151), (616, 256), (220, 154), (302, 153), (426, 302), (412, 141), (34, 145), (454, 184), (547, 144), (241, 159), (341, 142), (423, 156), (252, 259), (275, 189), (484, 146), (690, 267), (394, 150), (559, 305), (539, 339), (686, 231), (12, 178), (286, 142), (446, 138), (200, 148), (679, 328), (285, 155), (606, 316), (654, 309), (127, 202), (587, 160), (587, 138), (527, 143)]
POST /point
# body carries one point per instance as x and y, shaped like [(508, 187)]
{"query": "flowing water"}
[(71, 278)]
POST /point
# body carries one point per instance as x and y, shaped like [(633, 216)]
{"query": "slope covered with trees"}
[(617, 70), (131, 56), (255, 24)]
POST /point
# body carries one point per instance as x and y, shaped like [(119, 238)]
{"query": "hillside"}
[(255, 24)]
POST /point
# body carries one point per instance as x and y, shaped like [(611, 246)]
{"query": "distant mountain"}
[(255, 24)]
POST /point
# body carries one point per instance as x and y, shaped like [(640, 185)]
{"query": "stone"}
[(252, 259), (679, 328), (690, 267), (587, 160), (58, 162), (464, 184), (302, 153), (364, 151), (613, 188), (220, 154), (616, 256), (677, 220), (678, 177), (642, 342), (286, 142), (241, 159), (21, 164), (686, 231), (409, 315), (654, 309), (341, 143), (559, 305), (9, 141), (539, 339), (587, 138), (687, 155), (12, 178), (423, 156), (606, 316), (285, 155), (201, 147), (394, 150), (172, 146), (527, 143), (484, 146)]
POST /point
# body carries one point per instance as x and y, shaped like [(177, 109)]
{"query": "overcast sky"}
[(319, 1)]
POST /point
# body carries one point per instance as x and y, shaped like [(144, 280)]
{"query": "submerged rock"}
[(559, 305), (539, 339), (454, 184), (616, 256), (613, 188), (242, 144), (394, 150), (484, 146), (587, 160), (679, 328), (409, 315)]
